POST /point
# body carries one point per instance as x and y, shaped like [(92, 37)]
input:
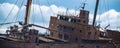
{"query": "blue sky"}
[(108, 11), (73, 4)]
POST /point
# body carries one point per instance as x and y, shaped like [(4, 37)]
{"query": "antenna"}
[(107, 26), (67, 11), (83, 6)]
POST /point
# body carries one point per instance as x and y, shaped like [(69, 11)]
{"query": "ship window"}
[(80, 31), (69, 20), (79, 20), (60, 27), (73, 20), (102, 34), (65, 28), (52, 24), (60, 36), (84, 21), (58, 17), (61, 18), (66, 19), (66, 36)]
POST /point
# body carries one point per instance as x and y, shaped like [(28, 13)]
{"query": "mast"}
[(95, 12), (28, 8)]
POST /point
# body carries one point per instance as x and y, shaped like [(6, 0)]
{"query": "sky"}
[(41, 10)]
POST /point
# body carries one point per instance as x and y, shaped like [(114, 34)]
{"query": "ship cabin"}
[(76, 29)]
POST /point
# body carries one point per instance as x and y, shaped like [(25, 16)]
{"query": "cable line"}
[(34, 11), (41, 14), (9, 13), (19, 11)]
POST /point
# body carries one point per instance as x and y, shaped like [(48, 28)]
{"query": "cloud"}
[(8, 11), (3, 30), (111, 17), (39, 14), (42, 17)]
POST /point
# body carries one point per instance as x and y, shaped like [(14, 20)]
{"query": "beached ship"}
[(65, 32)]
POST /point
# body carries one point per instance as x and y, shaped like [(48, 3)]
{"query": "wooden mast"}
[(95, 12), (28, 8)]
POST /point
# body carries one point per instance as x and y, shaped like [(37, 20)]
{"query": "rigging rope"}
[(104, 6), (100, 8), (42, 14), (19, 11), (34, 15), (108, 14), (10, 12), (81, 4)]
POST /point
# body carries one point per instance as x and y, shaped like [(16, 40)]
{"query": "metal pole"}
[(95, 12), (28, 8)]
